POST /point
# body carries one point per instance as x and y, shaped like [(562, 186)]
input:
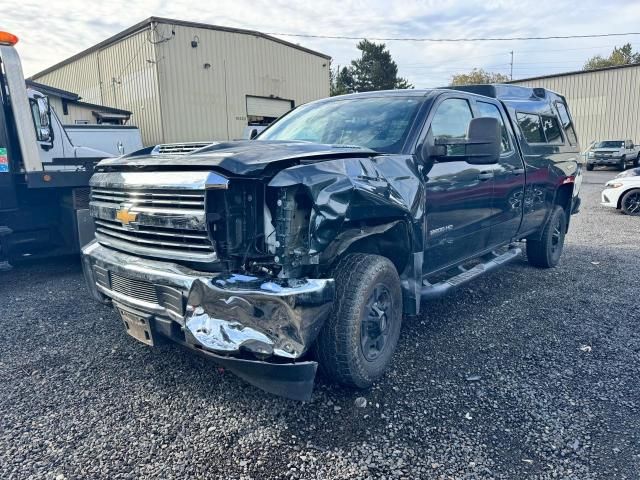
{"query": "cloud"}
[(52, 31)]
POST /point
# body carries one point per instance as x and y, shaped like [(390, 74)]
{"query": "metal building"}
[(605, 103), (186, 81)]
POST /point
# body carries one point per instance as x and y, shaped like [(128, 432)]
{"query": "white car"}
[(623, 192)]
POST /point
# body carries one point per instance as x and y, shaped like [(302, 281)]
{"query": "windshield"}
[(380, 123), (611, 144)]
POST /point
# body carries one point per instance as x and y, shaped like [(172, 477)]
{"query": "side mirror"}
[(484, 141), (482, 145), (45, 134), (46, 130), (253, 133)]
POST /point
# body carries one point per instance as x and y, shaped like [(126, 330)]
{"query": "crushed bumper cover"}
[(258, 328)]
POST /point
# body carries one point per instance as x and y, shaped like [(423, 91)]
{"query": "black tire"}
[(623, 163), (545, 252), (363, 284), (636, 161), (630, 203), (589, 166)]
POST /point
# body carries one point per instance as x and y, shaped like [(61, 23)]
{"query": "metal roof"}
[(170, 21), (56, 92), (574, 72)]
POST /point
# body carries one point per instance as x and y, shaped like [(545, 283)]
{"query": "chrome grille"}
[(189, 199), (158, 214), (187, 240), (165, 223), (137, 289)]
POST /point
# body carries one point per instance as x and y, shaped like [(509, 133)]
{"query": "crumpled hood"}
[(247, 157)]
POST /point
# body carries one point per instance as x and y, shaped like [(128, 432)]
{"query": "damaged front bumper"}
[(259, 328)]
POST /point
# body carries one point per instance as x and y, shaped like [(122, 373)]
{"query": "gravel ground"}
[(523, 374)]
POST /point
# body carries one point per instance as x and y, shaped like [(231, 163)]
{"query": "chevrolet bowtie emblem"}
[(125, 216)]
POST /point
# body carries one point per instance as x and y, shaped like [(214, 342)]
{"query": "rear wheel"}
[(546, 251), (630, 203), (357, 342)]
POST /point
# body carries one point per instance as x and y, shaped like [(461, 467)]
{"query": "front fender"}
[(356, 191)]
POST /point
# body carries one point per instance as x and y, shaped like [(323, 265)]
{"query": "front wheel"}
[(623, 163), (590, 166), (636, 161), (357, 342), (630, 203), (545, 252)]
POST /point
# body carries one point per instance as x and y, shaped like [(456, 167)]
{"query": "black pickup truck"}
[(307, 245)]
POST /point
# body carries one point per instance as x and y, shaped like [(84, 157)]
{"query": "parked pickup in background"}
[(306, 246), (617, 153)]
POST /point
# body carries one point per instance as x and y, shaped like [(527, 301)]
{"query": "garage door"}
[(267, 107)]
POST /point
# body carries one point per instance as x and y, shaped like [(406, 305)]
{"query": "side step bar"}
[(431, 291)]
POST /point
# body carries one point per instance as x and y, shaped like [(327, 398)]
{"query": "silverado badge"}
[(125, 216)]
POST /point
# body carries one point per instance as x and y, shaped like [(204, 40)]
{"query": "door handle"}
[(485, 175)]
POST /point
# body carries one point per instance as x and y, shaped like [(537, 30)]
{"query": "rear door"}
[(458, 194), (508, 181)]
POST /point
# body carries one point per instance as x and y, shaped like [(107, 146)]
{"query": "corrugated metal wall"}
[(204, 89), (605, 104), (121, 75)]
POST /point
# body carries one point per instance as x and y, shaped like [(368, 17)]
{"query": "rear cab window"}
[(531, 127), (567, 124), (540, 128), (551, 129)]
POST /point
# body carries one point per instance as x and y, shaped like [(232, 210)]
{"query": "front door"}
[(458, 194), (509, 180)]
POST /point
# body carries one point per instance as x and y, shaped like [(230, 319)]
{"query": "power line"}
[(471, 39)]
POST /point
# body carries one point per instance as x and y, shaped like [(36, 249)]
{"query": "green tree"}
[(478, 76), (623, 55), (374, 70), (342, 82)]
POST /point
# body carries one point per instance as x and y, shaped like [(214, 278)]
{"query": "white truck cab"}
[(44, 174)]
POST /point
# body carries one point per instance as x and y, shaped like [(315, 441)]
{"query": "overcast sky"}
[(53, 30)]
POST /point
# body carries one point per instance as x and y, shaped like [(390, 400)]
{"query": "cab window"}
[(451, 120), (531, 127), (569, 131), (490, 110), (551, 129)]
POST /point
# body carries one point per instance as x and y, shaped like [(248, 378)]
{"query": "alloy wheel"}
[(376, 322), (632, 203)]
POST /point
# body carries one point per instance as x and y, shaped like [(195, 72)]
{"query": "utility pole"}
[(511, 69)]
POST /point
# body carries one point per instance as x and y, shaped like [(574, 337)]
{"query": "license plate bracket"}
[(137, 326)]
